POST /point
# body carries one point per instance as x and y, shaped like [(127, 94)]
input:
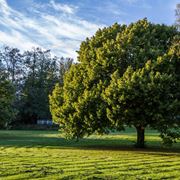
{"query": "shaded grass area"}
[(47, 155)]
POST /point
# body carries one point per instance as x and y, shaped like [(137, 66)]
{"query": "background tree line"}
[(26, 80)]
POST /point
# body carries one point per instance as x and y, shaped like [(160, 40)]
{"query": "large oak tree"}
[(79, 105)]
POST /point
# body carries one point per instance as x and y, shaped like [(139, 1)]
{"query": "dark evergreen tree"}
[(7, 95)]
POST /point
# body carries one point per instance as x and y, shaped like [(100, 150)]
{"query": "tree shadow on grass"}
[(31, 140)]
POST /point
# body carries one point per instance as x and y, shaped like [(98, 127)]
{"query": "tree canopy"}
[(80, 106), (148, 96)]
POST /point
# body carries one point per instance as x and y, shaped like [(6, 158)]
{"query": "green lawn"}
[(46, 155)]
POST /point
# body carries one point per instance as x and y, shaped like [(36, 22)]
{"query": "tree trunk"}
[(140, 137)]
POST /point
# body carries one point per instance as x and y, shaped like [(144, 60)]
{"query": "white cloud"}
[(63, 7), (18, 40), (62, 31)]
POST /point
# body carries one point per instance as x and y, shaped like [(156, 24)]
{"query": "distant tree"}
[(78, 106), (12, 60), (34, 102), (1, 65), (7, 95), (12, 66), (33, 75), (42, 73), (64, 65)]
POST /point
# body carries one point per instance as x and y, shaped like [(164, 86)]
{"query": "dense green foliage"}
[(7, 95), (148, 96), (33, 74), (46, 155), (80, 106)]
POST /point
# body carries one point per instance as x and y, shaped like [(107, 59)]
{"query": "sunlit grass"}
[(47, 155)]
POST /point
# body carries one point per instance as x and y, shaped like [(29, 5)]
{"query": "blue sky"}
[(61, 25)]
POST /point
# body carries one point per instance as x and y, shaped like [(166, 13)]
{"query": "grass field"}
[(46, 155)]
